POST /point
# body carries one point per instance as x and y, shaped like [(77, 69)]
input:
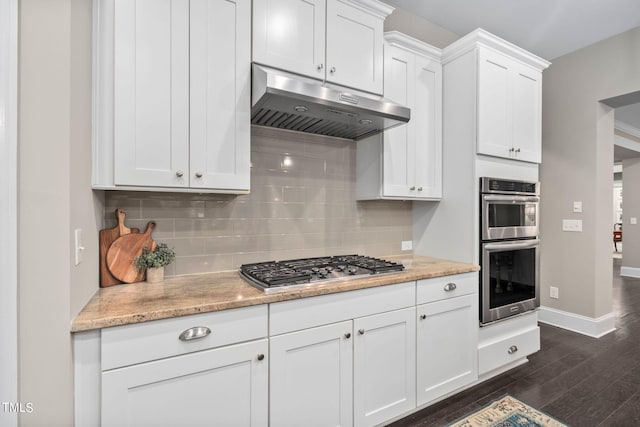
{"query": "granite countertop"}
[(201, 293)]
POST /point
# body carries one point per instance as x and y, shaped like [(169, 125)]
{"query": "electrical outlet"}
[(407, 245), (553, 292)]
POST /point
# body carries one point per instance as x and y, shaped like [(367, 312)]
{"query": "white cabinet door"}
[(219, 94), (384, 366), (494, 109), (151, 92), (509, 108), (311, 379), (290, 35), (354, 47), (412, 153), (227, 386), (527, 113), (426, 113), (447, 346), (398, 147)]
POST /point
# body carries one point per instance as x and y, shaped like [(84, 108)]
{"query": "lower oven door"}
[(510, 279)]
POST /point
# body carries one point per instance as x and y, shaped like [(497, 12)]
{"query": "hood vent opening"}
[(285, 101)]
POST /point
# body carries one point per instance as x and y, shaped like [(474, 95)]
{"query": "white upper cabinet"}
[(509, 107), (290, 34), (169, 115), (508, 84), (406, 162), (340, 41), (151, 93)]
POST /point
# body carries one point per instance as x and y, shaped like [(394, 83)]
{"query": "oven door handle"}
[(493, 198), (512, 245)]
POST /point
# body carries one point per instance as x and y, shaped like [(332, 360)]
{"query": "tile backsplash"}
[(302, 204)]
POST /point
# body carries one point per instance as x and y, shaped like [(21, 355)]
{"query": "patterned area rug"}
[(507, 412)]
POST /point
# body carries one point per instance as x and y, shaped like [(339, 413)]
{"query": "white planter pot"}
[(155, 275)]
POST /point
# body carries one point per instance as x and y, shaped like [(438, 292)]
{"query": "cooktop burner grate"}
[(279, 275)]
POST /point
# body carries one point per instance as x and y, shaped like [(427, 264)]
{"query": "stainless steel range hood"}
[(291, 102)]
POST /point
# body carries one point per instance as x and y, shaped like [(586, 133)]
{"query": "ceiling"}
[(547, 28)]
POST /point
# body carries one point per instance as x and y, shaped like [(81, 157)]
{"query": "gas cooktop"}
[(273, 276)]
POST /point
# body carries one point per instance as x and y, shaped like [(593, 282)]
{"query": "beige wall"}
[(631, 200), (54, 119), (419, 28), (577, 162), (302, 204)]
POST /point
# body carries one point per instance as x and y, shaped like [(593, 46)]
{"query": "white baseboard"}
[(630, 271), (589, 326)]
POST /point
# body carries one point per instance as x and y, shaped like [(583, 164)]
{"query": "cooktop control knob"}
[(352, 270)]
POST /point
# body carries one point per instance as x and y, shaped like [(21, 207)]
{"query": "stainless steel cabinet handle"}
[(412, 188), (423, 316), (179, 174), (361, 331), (332, 70), (198, 174), (347, 335), (512, 349), (450, 287), (194, 333), (320, 67), (261, 357)]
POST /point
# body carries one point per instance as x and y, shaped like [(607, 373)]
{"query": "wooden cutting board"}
[(122, 252), (105, 238)]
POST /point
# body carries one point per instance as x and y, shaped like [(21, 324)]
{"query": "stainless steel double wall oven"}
[(509, 248)]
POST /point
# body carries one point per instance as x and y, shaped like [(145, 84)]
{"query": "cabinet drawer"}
[(295, 315), (142, 342), (499, 353), (439, 288)]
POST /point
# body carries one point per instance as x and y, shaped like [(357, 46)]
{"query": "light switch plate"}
[(407, 245), (572, 225), (577, 207), (78, 245), (633, 220)]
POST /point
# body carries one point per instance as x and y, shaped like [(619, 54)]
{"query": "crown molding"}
[(403, 41), (374, 7), (482, 38)]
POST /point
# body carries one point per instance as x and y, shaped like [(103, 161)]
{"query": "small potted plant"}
[(154, 261)]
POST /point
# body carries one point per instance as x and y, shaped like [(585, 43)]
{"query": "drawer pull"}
[(194, 333), (423, 316), (450, 287), (512, 349)]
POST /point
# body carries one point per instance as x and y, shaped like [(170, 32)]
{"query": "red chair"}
[(617, 235)]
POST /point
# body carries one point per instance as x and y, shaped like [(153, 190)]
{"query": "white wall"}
[(577, 163), (54, 198)]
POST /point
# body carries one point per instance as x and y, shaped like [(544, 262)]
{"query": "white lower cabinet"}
[(384, 373), (204, 369), (311, 377), (447, 339), (226, 386), (359, 372), (447, 335)]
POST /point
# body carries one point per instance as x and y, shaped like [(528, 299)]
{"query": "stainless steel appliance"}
[(275, 276), (288, 101), (509, 248), (509, 209)]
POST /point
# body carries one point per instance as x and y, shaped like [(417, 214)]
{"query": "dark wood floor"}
[(579, 380)]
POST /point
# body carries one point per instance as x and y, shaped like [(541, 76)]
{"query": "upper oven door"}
[(509, 216)]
